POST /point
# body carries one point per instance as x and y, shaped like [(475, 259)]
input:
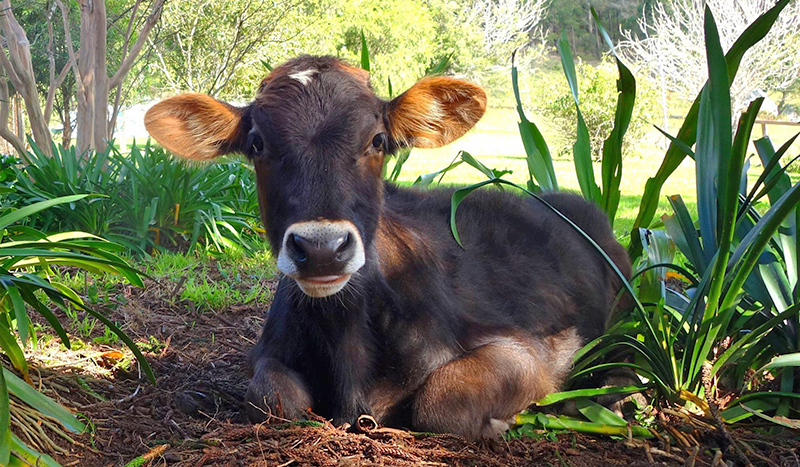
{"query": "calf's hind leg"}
[(275, 390), (475, 395)]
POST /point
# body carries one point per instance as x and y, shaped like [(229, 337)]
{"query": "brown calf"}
[(378, 310)]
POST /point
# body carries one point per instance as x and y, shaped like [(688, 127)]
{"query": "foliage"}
[(597, 94), (150, 200), (207, 46), (573, 17), (27, 261), (540, 160)]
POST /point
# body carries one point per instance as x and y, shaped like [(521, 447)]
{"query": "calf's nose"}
[(327, 252), (321, 248)]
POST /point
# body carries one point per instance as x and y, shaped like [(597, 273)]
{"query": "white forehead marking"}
[(304, 76)]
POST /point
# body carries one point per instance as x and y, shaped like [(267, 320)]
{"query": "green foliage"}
[(598, 91), (149, 200), (28, 258), (742, 309), (540, 162)]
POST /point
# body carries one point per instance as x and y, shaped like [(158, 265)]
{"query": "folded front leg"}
[(276, 390)]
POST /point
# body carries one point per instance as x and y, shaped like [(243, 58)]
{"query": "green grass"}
[(208, 282)]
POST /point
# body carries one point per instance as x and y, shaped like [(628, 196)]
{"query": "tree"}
[(482, 34), (92, 80), (89, 67), (203, 44), (671, 46), (574, 19), (16, 66)]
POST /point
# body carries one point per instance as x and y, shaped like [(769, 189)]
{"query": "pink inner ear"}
[(436, 111)]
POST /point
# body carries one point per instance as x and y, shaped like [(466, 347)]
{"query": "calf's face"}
[(317, 136)]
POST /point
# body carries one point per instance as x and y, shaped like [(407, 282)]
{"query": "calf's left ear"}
[(195, 126), (435, 111)]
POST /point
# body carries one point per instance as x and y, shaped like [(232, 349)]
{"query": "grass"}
[(208, 283)]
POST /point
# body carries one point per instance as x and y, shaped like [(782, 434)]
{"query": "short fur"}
[(427, 334)]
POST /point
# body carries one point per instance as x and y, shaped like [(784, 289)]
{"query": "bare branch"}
[(70, 49), (671, 46), (127, 63), (118, 91), (51, 92)]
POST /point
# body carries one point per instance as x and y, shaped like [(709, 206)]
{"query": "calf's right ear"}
[(196, 126)]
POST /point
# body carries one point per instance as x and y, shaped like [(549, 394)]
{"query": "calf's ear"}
[(196, 126), (435, 111)]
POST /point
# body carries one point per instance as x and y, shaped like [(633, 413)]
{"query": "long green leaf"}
[(581, 150), (598, 414), (9, 344), (538, 157), (364, 52), (788, 231), (20, 312), (19, 214), (557, 397), (611, 167), (5, 422), (30, 456), (792, 359), (688, 131), (42, 403), (551, 422), (746, 255)]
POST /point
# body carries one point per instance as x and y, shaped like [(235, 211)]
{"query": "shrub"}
[(739, 325), (148, 200), (598, 91)]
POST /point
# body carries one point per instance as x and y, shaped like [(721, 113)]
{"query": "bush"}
[(146, 199), (598, 93)]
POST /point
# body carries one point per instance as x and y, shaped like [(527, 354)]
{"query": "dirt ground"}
[(193, 416)]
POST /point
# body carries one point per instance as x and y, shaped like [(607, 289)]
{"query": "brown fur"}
[(462, 397), (436, 111), (427, 333), (194, 126)]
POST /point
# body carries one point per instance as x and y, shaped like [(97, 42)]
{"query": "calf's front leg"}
[(476, 395), (276, 390)]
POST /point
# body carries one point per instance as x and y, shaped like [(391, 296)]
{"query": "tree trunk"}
[(19, 122), (101, 77), (84, 80), (18, 66), (66, 135)]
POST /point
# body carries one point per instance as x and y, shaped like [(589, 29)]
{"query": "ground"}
[(196, 340)]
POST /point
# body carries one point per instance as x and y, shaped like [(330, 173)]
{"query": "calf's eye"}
[(379, 141), (254, 143)]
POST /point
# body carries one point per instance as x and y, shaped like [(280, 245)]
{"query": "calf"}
[(378, 310)]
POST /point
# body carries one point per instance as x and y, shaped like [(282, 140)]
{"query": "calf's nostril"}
[(296, 249), (345, 250), (342, 243)]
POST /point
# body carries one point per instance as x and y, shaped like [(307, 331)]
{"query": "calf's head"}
[(317, 135)]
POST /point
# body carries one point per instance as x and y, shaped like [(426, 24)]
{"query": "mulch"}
[(193, 415)]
